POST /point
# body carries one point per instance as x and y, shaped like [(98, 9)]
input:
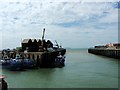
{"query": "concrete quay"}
[(113, 53)]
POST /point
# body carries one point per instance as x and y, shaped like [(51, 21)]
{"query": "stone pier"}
[(113, 53)]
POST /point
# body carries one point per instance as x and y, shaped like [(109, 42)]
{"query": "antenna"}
[(43, 34), (56, 43)]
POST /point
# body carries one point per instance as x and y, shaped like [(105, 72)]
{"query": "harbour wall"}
[(113, 53), (42, 59)]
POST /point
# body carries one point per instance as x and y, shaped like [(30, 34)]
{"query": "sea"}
[(82, 70)]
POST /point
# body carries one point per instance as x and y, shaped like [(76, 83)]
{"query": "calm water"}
[(82, 70)]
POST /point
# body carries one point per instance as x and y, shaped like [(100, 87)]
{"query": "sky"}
[(74, 24)]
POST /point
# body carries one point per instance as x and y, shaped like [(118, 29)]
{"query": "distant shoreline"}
[(76, 48)]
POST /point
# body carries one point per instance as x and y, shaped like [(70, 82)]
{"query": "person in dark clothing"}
[(3, 83)]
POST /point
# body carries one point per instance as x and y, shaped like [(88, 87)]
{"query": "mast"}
[(43, 34)]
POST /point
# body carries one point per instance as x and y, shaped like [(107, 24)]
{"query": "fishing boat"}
[(20, 64), (17, 63), (59, 61), (29, 63), (5, 61)]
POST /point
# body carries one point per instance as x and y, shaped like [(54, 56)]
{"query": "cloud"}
[(60, 1), (54, 13), (50, 12), (74, 24)]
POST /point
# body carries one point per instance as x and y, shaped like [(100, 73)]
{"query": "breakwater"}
[(113, 53), (42, 59)]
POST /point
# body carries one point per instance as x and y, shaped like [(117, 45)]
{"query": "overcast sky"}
[(79, 24)]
